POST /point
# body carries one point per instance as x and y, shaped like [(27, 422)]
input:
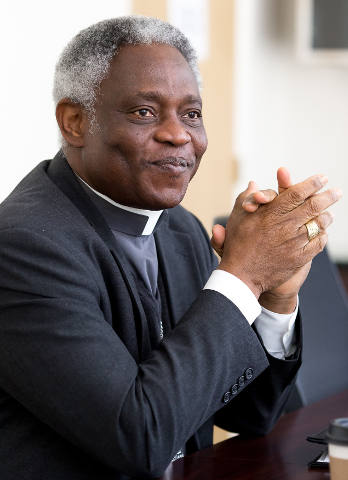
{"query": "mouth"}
[(174, 165)]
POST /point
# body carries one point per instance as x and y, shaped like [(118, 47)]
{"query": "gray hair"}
[(86, 60)]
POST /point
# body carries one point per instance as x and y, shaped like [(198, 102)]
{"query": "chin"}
[(167, 199)]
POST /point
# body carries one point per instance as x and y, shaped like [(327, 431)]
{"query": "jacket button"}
[(227, 397), (241, 380), (234, 389), (249, 373)]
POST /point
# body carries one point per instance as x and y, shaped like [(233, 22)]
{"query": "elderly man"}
[(121, 342)]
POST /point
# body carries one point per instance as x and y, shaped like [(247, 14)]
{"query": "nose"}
[(172, 130)]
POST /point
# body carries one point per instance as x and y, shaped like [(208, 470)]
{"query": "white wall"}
[(32, 35), (289, 113)]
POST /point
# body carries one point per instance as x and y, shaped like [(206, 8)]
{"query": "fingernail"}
[(323, 179)]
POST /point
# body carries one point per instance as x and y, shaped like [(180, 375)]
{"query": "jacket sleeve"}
[(256, 410)]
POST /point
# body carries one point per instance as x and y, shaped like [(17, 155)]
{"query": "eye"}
[(193, 115), (143, 112)]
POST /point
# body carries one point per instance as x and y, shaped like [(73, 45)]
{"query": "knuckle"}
[(325, 220), (295, 197), (313, 206), (270, 193), (275, 211)]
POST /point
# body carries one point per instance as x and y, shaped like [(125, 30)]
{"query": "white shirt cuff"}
[(237, 291), (277, 331)]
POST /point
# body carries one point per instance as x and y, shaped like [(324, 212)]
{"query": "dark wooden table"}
[(283, 454)]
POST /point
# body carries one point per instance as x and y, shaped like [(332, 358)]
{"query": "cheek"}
[(129, 150), (194, 171), (200, 144)]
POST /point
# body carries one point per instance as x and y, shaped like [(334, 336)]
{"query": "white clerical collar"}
[(152, 215)]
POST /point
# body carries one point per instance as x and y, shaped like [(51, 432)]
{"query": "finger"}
[(305, 251), (251, 188), (219, 234), (284, 179), (315, 246), (315, 205), (295, 195), (253, 201), (218, 239), (323, 221)]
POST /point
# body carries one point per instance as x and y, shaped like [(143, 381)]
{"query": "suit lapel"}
[(61, 174), (178, 263)]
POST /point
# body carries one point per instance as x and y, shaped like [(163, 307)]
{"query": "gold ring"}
[(312, 229)]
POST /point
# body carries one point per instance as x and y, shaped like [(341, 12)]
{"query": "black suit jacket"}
[(82, 393)]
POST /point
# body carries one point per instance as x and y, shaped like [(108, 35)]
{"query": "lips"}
[(173, 164)]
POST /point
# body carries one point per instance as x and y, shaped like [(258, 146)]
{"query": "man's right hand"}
[(265, 248)]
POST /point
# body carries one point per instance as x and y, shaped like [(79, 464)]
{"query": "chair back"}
[(324, 310)]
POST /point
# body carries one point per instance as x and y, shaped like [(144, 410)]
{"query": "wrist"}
[(256, 290), (284, 304)]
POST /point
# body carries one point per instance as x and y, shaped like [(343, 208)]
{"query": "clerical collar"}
[(133, 221)]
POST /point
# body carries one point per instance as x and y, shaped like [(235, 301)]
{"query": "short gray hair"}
[(86, 60)]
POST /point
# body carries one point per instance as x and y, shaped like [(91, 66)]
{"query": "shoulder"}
[(38, 204), (38, 223)]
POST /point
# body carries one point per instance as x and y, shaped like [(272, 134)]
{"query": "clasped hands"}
[(265, 243)]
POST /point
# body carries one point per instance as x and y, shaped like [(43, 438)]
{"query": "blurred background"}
[(275, 90)]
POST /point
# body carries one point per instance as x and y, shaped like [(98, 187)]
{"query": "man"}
[(121, 343)]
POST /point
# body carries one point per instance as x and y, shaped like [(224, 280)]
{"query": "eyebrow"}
[(156, 96)]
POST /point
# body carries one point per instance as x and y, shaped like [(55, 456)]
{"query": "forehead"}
[(142, 68)]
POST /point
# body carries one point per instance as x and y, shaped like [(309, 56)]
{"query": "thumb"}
[(284, 180), (218, 239)]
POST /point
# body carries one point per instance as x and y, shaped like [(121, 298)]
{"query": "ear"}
[(72, 121)]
